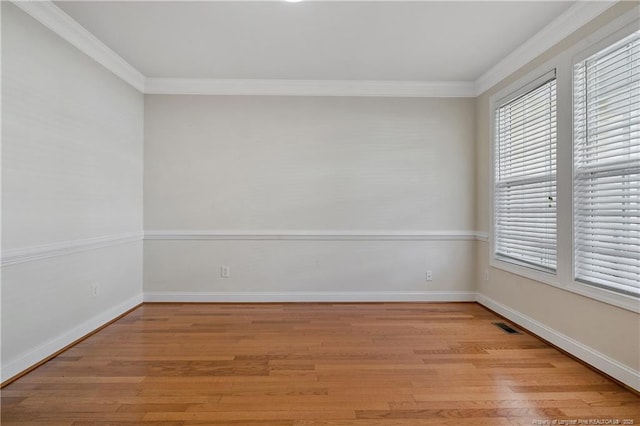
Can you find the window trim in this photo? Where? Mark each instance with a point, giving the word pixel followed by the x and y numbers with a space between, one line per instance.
pixel 563 63
pixel 533 85
pixel 523 85
pixel 612 297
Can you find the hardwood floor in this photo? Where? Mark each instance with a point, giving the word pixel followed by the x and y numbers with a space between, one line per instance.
pixel 310 365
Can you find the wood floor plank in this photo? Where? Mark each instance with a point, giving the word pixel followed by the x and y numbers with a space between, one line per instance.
pixel 438 421
pixel 547 412
pixel 508 403
pixel 312 364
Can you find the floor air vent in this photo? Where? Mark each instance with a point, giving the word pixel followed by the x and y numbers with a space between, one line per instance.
pixel 506 328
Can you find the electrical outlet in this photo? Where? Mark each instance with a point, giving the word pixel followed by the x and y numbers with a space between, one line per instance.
pixel 486 275
pixel 225 272
pixel 428 276
pixel 95 289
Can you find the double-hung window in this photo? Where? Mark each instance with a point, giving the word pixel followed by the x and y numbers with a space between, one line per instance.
pixel 525 176
pixel 606 168
pixel 574 130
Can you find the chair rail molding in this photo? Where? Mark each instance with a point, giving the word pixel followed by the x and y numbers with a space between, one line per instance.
pixel 33 253
pixel 311 235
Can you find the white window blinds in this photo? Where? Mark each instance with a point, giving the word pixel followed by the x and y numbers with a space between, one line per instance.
pixel 525 177
pixel 607 168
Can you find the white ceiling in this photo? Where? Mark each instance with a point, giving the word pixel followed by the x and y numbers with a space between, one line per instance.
pixel 392 41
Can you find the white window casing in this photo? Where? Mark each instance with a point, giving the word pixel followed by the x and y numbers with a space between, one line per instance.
pixel 606 167
pixel 525 224
pixel 597 175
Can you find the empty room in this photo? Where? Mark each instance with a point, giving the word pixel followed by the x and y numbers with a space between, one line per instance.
pixel 307 213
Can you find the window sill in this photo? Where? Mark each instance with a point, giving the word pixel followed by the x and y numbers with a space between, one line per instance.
pixel 623 301
pixel 524 271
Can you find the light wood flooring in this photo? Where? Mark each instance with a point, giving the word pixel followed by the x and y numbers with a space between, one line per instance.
pixel 310 364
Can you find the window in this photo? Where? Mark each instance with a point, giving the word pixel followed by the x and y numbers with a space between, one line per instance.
pixel 607 168
pixel 525 176
pixel 566 168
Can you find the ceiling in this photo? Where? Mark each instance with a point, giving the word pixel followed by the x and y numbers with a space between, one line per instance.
pixel 328 40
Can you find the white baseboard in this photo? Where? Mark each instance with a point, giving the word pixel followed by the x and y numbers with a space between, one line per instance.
pixel 313 296
pixel 36 355
pixel 602 362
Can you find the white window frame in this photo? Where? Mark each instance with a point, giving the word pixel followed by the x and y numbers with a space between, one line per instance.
pixel 576 286
pixel 496 105
pixel 563 64
pixel 523 85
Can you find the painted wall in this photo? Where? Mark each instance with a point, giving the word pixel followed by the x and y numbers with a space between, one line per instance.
pixel 330 166
pixel 303 198
pixel 613 332
pixel 72 141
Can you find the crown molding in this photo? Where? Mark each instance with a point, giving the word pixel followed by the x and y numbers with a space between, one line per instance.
pixel 52 17
pixel 564 25
pixel 312 235
pixel 398 89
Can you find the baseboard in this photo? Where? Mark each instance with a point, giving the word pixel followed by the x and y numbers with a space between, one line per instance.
pixel 44 351
pixel 600 361
pixel 312 296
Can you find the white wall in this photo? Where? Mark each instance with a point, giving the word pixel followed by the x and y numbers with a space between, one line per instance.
pixel 304 198
pixel 72 141
pixel 602 334
pixel 277 167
